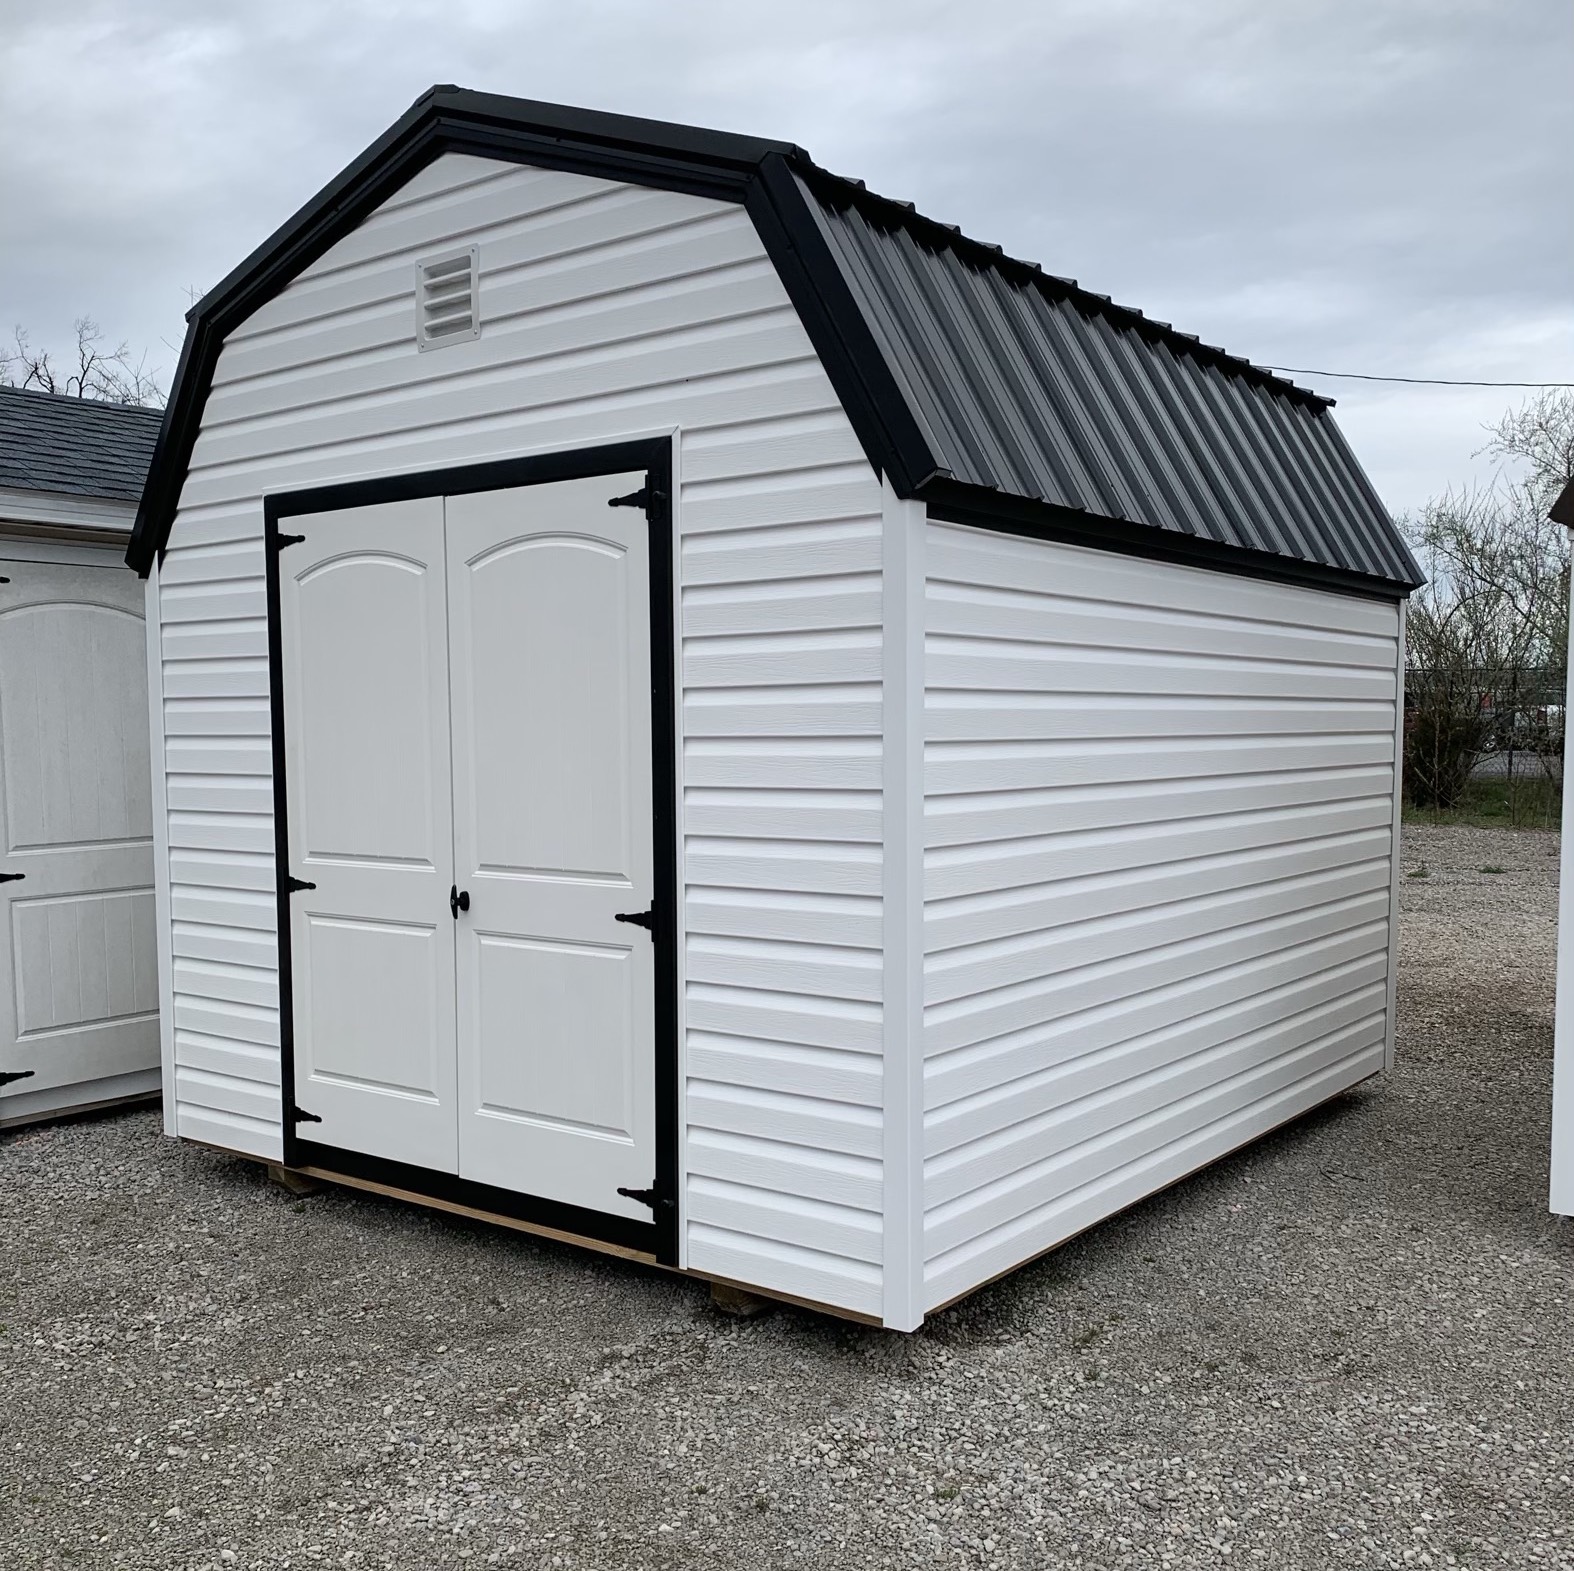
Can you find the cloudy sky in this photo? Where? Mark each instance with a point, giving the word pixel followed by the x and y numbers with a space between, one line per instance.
pixel 1348 185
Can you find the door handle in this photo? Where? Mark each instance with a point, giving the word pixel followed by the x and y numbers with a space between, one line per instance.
pixel 458 900
pixel 11 878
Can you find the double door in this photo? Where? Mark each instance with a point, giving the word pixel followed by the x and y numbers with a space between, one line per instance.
pixel 467 739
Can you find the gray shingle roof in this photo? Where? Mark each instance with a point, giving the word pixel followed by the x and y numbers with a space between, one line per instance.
pixel 79 446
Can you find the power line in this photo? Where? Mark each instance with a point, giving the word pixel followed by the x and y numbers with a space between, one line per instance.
pixel 1414 381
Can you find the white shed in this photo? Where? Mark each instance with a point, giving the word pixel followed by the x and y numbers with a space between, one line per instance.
pixel 78 977
pixel 1561 1198
pixel 707 713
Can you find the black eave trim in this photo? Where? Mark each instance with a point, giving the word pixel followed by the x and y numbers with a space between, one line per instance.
pixel 659 1237
pixel 955 502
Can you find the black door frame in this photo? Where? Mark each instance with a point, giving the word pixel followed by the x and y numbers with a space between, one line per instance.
pixel 658 1237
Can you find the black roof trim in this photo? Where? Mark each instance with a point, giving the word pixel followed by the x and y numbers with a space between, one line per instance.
pixel 455 119
pixel 951 390
pixel 444 119
pixel 953 502
pixel 879 411
pixel 1562 509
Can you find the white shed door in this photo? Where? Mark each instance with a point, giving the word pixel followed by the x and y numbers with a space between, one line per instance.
pixel 363 636
pixel 467 698
pixel 78 968
pixel 549 637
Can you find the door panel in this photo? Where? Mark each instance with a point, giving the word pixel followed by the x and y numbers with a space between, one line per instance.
pixel 78 966
pixel 363 637
pixel 376 1005
pixel 549 639
pixel 579 1078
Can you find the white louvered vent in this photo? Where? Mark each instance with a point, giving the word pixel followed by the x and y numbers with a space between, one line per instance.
pixel 446 305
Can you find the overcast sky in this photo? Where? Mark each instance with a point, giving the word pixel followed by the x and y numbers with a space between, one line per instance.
pixel 1350 185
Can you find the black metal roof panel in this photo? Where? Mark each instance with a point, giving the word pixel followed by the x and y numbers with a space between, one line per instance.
pixel 76 446
pixel 1023 385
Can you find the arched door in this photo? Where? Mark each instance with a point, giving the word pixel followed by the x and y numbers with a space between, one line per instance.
pixel 78 966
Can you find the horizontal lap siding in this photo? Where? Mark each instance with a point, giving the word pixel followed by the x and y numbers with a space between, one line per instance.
pixel 1158 826
pixel 218 797
pixel 608 312
pixel 782 815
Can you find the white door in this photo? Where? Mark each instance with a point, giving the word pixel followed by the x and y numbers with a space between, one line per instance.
pixel 363 635
pixel 78 970
pixel 549 640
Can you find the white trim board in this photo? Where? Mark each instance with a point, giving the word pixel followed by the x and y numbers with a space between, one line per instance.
pixel 62 509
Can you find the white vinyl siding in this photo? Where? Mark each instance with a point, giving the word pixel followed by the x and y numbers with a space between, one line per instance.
pixel 608 313
pixel 1159 810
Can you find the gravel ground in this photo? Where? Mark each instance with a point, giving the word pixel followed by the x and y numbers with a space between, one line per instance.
pixel 1349 1346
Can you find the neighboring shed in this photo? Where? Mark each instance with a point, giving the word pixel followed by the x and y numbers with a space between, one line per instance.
pixel 1562 1189
pixel 976 702
pixel 78 954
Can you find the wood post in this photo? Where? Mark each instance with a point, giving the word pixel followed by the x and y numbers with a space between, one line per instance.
pixel 295 1183
pixel 736 1301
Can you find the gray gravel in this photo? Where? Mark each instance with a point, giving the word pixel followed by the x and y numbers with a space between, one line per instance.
pixel 1350 1346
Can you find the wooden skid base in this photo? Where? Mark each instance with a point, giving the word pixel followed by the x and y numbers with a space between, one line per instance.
pixel 741 1299
pixel 1152 1194
pixel 454 1207
pixel 60 1115
pixel 321 1176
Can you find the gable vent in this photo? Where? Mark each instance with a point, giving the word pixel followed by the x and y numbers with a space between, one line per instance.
pixel 446 309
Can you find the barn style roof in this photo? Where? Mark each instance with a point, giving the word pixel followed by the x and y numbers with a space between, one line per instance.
pixel 989 389
pixel 74 446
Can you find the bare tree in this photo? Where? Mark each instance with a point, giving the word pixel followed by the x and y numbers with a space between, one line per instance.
pixel 97 371
pixel 1539 435
pixel 1489 632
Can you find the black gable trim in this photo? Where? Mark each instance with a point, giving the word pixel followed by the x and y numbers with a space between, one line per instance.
pixel 880 413
pixel 444 120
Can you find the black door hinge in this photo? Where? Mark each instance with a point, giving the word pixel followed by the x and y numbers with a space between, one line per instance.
pixel 11 878
pixel 644 497
pixel 7 1076
pixel 280 540
pixel 301 1116
pixel 651 1197
pixel 644 919
pixel 294 886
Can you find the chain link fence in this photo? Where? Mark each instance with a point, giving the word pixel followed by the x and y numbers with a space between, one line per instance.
pixel 1486 737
